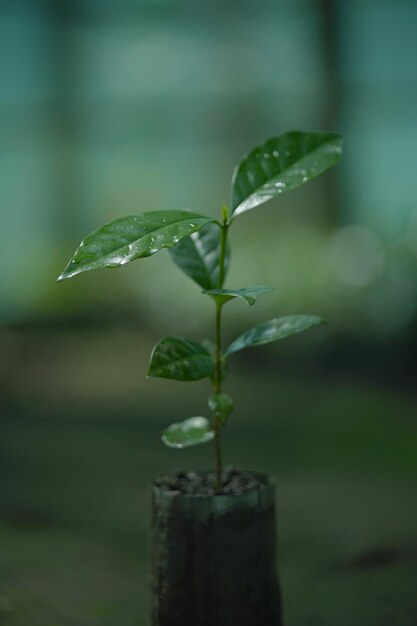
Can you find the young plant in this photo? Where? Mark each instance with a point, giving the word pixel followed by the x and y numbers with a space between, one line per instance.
pixel 199 246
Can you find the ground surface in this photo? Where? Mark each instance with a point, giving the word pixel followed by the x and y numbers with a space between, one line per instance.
pixel 74 494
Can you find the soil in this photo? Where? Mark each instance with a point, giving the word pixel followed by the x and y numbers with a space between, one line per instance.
pixel 234 482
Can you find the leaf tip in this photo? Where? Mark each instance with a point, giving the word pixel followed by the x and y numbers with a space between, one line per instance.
pixel 64 276
pixel 68 273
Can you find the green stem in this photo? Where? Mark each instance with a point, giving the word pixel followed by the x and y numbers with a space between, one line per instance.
pixel 217 383
pixel 223 242
pixel 217 386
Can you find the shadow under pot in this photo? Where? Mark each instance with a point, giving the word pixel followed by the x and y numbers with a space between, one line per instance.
pixel 214 558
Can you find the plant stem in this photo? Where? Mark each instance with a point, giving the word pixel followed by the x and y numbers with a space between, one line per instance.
pixel 217 385
pixel 217 389
pixel 223 242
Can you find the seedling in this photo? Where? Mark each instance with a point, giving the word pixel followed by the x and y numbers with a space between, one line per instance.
pixel 199 246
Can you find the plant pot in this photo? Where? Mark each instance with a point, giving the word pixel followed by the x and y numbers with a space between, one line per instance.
pixel 214 559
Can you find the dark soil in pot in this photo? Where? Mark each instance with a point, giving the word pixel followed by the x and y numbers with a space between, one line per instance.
pixel 234 482
pixel 214 555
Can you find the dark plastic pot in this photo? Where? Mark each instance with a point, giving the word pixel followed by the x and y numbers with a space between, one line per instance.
pixel 214 559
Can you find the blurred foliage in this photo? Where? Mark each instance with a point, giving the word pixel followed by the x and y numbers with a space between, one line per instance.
pixel 110 108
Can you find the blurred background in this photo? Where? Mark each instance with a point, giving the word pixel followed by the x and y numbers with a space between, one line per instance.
pixel 110 108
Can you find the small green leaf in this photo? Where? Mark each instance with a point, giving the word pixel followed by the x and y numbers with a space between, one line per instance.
pixel 198 256
pixel 190 432
pixel 273 330
pixel 180 359
pixel 222 406
pixel 225 213
pixel 281 164
pixel 133 237
pixel 250 294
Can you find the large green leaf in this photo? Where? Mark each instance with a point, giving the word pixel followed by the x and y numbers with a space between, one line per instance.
pixel 180 359
pixel 132 237
pixel 249 294
pixel 275 329
pixel 190 432
pixel 198 256
pixel 281 164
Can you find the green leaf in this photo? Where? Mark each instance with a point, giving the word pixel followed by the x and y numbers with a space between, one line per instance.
pixel 275 329
pixel 190 432
pixel 198 256
pixel 133 237
pixel 281 164
pixel 250 294
pixel 222 406
pixel 180 359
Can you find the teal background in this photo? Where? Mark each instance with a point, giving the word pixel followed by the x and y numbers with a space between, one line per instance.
pixel 113 108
